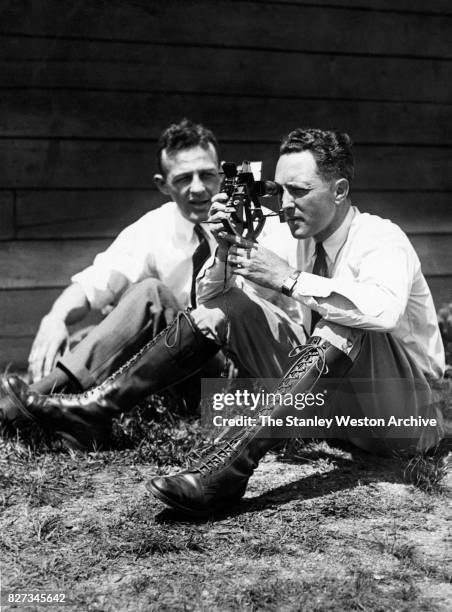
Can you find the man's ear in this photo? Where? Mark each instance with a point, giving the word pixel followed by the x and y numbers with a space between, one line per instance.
pixel 160 181
pixel 342 190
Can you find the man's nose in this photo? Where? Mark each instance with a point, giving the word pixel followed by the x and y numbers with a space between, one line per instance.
pixel 196 185
pixel 287 200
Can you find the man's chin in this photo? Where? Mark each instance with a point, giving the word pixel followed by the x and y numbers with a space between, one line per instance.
pixel 299 231
pixel 200 215
pixel 197 213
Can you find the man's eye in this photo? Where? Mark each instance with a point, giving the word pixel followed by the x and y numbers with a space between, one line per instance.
pixel 299 192
pixel 182 180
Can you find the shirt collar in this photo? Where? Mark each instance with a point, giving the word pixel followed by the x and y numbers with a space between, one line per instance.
pixel 183 228
pixel 336 241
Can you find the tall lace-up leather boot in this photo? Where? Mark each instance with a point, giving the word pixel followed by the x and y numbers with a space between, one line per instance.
pixel 219 478
pixel 84 420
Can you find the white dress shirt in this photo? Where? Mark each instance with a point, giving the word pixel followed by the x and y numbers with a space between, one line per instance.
pixel 212 279
pixel 159 245
pixel 376 284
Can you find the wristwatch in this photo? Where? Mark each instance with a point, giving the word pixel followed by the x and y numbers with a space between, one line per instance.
pixel 289 284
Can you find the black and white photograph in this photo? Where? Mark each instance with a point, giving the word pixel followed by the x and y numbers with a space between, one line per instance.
pixel 226 305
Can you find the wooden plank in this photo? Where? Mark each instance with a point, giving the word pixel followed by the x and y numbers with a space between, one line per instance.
pixel 14 353
pixel 21 312
pixel 406 168
pixel 81 213
pixel 246 24
pixel 441 7
pixel 435 253
pixel 153 68
pixel 23 309
pixel 6 215
pixel 441 288
pixel 91 214
pixel 129 165
pixel 415 212
pixel 45 263
pixel 84 114
pixel 51 263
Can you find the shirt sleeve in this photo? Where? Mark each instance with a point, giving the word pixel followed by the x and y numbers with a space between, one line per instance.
pixel 127 260
pixel 376 297
pixel 215 279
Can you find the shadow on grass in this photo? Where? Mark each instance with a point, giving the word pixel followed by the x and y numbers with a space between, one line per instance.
pixel 347 474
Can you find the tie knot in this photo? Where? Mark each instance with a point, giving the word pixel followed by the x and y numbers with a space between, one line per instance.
pixel 199 232
pixel 319 250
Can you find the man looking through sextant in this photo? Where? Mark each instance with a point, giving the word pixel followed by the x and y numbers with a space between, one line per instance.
pixel 363 299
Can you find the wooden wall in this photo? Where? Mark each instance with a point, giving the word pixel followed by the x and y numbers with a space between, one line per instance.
pixel 87 86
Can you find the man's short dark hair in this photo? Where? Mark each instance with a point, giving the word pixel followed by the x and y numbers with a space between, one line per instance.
pixel 331 150
pixel 184 135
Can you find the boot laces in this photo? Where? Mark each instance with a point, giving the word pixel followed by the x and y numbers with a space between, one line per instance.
pixel 86 395
pixel 214 457
pixel 208 459
pixel 177 323
pixel 306 355
pixel 309 352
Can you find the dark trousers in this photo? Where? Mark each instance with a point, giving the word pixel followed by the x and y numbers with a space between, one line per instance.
pixel 383 382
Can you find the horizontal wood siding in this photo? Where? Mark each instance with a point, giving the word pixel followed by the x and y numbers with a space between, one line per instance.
pixel 94 164
pixel 86 88
pixel 111 115
pixel 89 213
pixel 50 263
pixel 149 68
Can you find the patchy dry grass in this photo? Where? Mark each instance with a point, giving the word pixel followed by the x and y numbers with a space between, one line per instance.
pixel 320 529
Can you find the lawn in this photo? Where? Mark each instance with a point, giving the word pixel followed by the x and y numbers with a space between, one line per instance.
pixel 320 528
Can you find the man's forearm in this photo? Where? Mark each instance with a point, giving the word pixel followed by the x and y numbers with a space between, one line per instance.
pixel 351 303
pixel 214 280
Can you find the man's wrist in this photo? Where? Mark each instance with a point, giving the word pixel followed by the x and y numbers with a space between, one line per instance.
pixel 56 316
pixel 221 255
pixel 289 283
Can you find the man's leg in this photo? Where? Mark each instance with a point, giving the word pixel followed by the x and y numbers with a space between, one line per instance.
pixel 385 383
pixel 334 357
pixel 258 334
pixel 174 355
pixel 84 420
pixel 144 310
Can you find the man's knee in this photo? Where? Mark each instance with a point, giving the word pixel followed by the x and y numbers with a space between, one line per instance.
pixel 152 294
pixel 215 316
pixel 347 339
pixel 146 289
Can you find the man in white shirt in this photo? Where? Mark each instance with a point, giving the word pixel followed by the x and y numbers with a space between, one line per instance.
pixel 365 331
pixel 374 345
pixel 146 273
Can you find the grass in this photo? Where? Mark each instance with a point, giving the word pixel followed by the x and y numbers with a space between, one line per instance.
pixel 321 528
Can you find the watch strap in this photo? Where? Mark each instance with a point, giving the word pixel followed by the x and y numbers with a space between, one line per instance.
pixel 289 284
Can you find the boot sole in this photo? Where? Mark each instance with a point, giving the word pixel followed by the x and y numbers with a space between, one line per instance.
pixel 11 394
pixel 70 441
pixel 156 492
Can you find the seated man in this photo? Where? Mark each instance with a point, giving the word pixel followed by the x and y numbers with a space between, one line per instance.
pixel 149 272
pixel 357 280
pixel 158 249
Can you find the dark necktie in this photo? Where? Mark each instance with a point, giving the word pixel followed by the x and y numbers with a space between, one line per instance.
pixel 199 257
pixel 321 269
